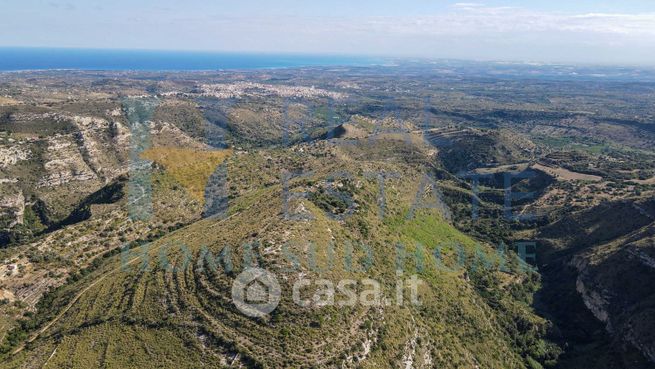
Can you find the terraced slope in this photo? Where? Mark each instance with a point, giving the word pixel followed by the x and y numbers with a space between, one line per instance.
pixel 169 303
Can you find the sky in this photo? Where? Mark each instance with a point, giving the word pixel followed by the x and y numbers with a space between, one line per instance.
pixel 566 31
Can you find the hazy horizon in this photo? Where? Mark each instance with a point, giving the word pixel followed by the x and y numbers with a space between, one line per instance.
pixel 586 32
pixel 380 59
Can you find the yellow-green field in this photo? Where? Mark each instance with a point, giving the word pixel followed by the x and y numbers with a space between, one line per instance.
pixel 191 168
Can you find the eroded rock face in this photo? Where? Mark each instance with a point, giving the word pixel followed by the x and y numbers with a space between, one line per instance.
pixel 97 151
pixel 12 210
pixel 64 162
pixel 65 166
pixel 615 283
pixel 102 144
pixel 595 302
pixel 13 154
pixel 167 134
pixel 120 134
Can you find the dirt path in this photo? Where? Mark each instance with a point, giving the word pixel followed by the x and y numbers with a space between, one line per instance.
pixel 566 174
pixel 73 301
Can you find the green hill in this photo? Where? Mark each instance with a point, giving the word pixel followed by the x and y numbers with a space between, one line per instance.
pixel 179 314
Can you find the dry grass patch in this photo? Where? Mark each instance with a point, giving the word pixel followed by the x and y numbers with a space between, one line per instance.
pixel 190 167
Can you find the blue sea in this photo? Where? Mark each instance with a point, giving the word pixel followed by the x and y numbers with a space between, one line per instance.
pixel 15 59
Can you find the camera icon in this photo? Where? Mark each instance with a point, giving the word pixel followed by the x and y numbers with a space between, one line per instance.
pixel 256 292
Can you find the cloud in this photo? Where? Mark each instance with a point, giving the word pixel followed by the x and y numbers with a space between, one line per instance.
pixel 474 18
pixel 64 6
pixel 468 5
pixel 462 19
pixel 626 24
